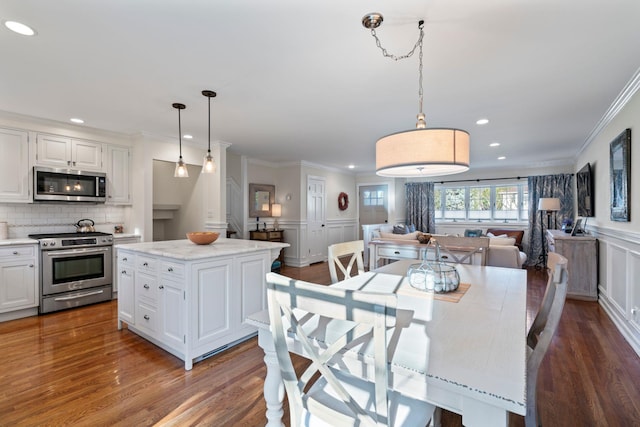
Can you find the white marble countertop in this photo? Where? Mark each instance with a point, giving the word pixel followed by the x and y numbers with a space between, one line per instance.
pixel 188 251
pixel 20 241
pixel 117 236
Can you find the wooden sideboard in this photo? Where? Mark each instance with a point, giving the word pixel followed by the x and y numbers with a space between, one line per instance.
pixel 582 255
pixel 270 236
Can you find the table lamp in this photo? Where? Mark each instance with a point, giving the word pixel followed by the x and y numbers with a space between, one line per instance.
pixel 276 212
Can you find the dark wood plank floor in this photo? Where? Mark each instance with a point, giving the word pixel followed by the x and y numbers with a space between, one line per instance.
pixel 76 368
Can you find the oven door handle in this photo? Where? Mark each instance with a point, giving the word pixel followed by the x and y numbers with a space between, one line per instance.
pixel 55 253
pixel 87 294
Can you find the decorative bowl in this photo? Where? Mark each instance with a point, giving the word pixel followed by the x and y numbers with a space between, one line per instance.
pixel 203 237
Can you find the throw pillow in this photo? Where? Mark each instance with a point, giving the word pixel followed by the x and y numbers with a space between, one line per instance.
pixel 411 228
pixel 502 241
pixel 472 233
pixel 399 229
pixel 409 236
pixel 493 235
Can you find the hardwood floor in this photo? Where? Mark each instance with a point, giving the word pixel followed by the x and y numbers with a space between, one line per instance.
pixel 75 368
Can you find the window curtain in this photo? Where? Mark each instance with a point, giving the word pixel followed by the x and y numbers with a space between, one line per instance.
pixel 420 206
pixel 559 186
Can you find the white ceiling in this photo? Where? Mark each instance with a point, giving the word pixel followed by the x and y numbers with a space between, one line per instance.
pixel 303 80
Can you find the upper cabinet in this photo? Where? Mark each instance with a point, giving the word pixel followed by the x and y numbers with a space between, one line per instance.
pixel 63 152
pixel 118 176
pixel 14 166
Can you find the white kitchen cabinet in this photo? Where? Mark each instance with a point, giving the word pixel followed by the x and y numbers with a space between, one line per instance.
pixel 126 283
pixel 14 166
pixel 118 176
pixel 18 278
pixel 120 240
pixel 195 305
pixel 64 152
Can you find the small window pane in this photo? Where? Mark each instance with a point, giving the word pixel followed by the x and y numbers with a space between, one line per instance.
pixel 454 203
pixel 480 203
pixel 506 203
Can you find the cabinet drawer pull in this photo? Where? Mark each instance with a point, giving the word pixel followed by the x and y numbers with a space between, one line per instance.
pixel 170 269
pixel 161 287
pixel 145 264
pixel 146 317
pixel 31 265
pixel 125 259
pixel 123 272
pixel 397 252
pixel 15 252
pixel 146 286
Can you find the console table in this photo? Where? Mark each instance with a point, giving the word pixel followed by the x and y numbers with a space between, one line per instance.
pixel 582 253
pixel 270 235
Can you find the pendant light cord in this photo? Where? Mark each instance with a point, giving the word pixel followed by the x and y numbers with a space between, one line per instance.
pixel 209 146
pixel 180 132
pixel 418 45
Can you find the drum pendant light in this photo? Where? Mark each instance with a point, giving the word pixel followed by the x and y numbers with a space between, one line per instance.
pixel 422 151
pixel 208 165
pixel 181 168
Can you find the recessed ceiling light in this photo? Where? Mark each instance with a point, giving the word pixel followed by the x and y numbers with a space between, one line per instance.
pixel 482 121
pixel 187 136
pixel 76 120
pixel 494 144
pixel 501 158
pixel 351 166
pixel 19 28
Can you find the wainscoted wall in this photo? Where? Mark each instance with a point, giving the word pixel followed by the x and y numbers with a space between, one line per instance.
pixel 337 230
pixel 29 218
pixel 619 286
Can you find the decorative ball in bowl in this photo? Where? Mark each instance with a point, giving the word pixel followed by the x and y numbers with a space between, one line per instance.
pixel 203 237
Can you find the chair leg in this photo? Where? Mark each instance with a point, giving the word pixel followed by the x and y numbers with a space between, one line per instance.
pixel 436 418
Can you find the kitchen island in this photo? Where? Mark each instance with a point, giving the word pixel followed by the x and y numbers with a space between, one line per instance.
pixel 192 300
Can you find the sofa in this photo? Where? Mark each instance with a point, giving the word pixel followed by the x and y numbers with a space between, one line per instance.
pixel 505 246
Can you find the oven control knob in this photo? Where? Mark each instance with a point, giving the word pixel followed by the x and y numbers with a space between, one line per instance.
pixel 52 244
pixel 45 244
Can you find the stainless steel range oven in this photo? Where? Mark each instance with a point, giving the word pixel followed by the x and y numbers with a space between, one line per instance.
pixel 75 269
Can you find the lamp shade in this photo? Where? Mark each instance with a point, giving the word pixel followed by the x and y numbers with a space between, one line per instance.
pixel 549 204
pixel 276 210
pixel 423 152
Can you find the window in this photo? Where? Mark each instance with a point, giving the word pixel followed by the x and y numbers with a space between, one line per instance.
pixel 373 198
pixel 503 202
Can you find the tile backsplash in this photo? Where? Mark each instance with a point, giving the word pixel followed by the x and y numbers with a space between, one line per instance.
pixel 29 218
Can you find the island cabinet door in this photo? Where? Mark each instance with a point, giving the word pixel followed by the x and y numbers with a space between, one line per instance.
pixel 126 292
pixel 252 271
pixel 172 303
pixel 211 304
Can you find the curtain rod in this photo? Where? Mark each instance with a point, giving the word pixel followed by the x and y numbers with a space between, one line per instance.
pixel 478 180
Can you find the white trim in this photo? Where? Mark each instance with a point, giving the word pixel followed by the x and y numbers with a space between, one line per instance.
pixel 618 104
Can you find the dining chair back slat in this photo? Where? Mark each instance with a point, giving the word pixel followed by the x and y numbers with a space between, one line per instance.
pixel 543 329
pixel 338 250
pixel 327 322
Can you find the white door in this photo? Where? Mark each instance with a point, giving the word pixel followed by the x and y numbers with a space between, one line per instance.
pixel 372 204
pixel 316 236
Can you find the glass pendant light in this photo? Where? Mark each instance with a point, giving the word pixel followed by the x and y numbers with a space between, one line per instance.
pixel 209 166
pixel 181 168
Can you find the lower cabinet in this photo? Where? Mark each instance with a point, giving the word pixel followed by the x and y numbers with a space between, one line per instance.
pixel 192 309
pixel 18 279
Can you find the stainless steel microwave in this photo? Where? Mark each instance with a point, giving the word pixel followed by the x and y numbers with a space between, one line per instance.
pixel 68 185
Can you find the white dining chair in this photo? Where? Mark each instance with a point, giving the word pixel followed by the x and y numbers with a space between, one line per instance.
pixel 462 250
pixel 543 329
pixel 338 250
pixel 327 322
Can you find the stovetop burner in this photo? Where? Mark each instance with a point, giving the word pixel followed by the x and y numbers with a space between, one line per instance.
pixel 67 235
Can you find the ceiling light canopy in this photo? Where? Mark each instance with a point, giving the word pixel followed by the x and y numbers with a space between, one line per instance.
pixel 422 151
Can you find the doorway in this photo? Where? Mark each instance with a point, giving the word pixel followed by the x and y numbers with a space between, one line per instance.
pixel 316 217
pixel 373 204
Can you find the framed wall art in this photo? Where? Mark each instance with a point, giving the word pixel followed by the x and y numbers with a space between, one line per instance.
pixel 620 176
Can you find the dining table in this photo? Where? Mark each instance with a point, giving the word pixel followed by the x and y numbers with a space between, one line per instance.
pixel 463 351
